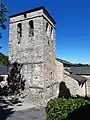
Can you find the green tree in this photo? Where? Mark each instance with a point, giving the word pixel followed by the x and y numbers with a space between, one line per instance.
pixel 3 60
pixel 3 16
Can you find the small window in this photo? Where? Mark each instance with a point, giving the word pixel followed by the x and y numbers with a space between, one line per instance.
pixel 48 42
pixel 51 30
pixel 51 33
pixel 31 28
pixel 47 29
pixel 46 26
pixel 25 15
pixel 19 32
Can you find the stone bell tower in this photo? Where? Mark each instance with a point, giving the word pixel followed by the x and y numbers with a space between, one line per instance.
pixel 32 43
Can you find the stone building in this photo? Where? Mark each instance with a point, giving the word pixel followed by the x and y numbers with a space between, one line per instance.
pixel 32 42
pixel 76 78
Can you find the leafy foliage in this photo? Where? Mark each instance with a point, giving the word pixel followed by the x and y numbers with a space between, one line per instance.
pixel 16 82
pixel 3 16
pixel 59 109
pixel 3 60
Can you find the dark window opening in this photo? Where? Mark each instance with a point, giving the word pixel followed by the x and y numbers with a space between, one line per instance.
pixel 51 30
pixel 47 29
pixel 19 32
pixel 51 73
pixel 31 28
pixel 25 15
pixel 48 42
pixel 51 33
pixel 46 26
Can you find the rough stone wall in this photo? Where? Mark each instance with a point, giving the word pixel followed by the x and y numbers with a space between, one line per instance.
pixel 87 85
pixel 30 53
pixel 30 49
pixel 52 88
pixel 58 75
pixel 49 60
pixel 34 88
pixel 73 85
pixel 37 54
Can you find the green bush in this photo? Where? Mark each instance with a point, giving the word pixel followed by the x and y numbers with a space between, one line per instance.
pixel 58 109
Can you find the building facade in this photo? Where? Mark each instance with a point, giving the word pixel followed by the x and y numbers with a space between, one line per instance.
pixel 32 42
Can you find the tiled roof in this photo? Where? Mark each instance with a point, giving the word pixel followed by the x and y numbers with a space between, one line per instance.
pixel 79 70
pixel 80 79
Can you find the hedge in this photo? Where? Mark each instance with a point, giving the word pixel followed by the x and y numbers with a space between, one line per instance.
pixel 59 108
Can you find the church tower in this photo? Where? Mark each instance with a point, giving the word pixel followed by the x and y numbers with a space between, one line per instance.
pixel 32 42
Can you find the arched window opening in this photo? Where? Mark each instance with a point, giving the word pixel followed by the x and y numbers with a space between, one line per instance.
pixel 31 28
pixel 46 26
pixel 47 29
pixel 51 30
pixel 19 32
pixel 51 33
pixel 25 15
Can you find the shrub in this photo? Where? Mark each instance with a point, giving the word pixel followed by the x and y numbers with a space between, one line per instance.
pixel 58 109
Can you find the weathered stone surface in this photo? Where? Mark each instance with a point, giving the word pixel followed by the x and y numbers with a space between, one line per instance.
pixel 73 86
pixel 87 85
pixel 37 54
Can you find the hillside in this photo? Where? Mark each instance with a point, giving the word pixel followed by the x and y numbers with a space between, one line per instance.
pixel 3 60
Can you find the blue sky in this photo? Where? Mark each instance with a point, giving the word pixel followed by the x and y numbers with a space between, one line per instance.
pixel 72 26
